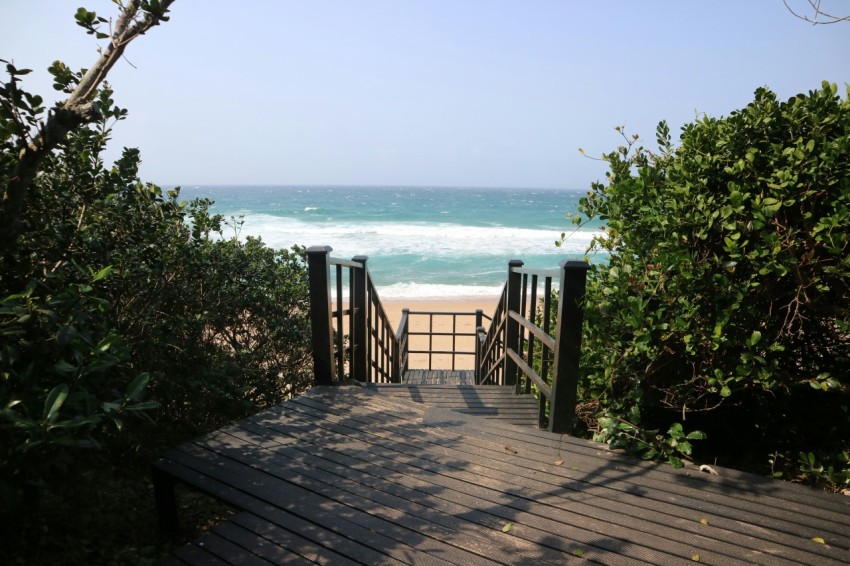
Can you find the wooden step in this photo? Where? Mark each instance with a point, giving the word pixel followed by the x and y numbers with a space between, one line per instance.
pixel 487 401
pixel 439 376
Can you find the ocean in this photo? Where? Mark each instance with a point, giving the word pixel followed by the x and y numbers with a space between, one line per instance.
pixel 422 242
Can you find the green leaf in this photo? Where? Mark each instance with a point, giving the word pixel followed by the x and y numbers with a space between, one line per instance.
pixel 725 391
pixel 755 338
pixel 55 400
pixel 75 442
pixel 676 431
pixel 144 406
pixel 507 528
pixel 73 423
pixel 107 342
pixel 64 367
pixel 137 386
pixel 102 273
pixel 20 422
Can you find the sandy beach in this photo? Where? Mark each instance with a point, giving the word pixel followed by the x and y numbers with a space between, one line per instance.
pixel 441 323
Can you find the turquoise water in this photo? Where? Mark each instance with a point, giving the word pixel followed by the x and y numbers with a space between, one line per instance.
pixel 422 242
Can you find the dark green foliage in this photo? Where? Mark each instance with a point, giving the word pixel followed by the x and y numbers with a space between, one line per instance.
pixel 129 321
pixel 725 306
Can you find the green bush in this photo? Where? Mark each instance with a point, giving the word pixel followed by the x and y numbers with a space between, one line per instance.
pixel 725 304
pixel 129 320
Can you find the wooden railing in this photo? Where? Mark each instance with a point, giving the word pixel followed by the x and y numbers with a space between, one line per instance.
pixel 406 336
pixel 526 348
pixel 352 337
pixel 532 343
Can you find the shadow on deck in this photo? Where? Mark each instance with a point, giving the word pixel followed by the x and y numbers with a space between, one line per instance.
pixel 456 390
pixel 424 467
pixel 365 475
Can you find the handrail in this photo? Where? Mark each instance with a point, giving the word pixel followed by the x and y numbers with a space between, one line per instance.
pixel 356 340
pixel 382 348
pixel 402 344
pixel 490 346
pixel 520 349
pixel 523 349
pixel 431 351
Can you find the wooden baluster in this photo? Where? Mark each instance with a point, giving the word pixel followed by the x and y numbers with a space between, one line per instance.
pixel 545 352
pixel 514 296
pixel 318 267
pixel 360 317
pixel 532 315
pixel 405 333
pixel 478 330
pixel 568 346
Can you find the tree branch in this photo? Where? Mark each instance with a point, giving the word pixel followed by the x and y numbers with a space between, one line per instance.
pixel 818 13
pixel 77 110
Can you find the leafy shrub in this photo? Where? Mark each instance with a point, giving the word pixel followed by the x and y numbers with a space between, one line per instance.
pixel 128 319
pixel 725 305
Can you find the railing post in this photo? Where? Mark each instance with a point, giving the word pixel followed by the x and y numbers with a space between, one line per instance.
pixel 166 504
pixel 359 314
pixel 514 290
pixel 319 274
pixel 562 405
pixel 395 376
pixel 479 319
pixel 401 346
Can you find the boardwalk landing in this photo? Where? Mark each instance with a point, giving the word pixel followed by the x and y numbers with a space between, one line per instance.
pixel 439 377
pixel 488 401
pixel 345 475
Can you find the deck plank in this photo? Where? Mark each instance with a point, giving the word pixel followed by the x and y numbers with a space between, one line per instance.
pixel 553 526
pixel 495 477
pixel 439 377
pixel 493 402
pixel 363 475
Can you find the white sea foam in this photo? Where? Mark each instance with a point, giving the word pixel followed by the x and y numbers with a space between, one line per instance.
pixel 425 240
pixel 422 242
pixel 415 291
pixel 434 292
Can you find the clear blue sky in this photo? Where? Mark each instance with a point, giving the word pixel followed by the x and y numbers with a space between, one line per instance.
pixel 428 92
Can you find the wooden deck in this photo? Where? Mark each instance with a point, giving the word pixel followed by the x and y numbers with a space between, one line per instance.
pixel 439 377
pixel 362 475
pixel 487 401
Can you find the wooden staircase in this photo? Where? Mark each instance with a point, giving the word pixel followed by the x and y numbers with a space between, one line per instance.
pixel 532 342
pixel 456 391
pixel 438 377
